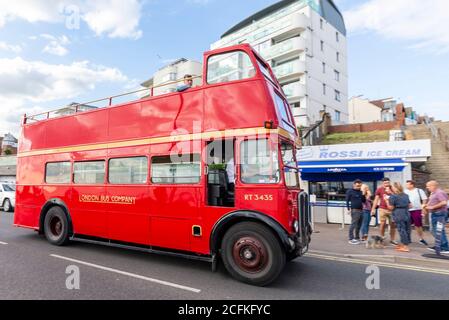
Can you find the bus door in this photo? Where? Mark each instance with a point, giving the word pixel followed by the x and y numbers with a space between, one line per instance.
pixel 220 173
pixel 127 193
pixel 174 199
pixel 219 187
pixel 88 201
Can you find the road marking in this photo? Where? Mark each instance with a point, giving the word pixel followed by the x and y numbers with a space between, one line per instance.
pixel 378 263
pixel 4 243
pixel 133 275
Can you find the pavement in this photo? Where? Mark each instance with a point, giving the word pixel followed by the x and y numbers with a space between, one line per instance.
pixel 31 268
pixel 331 239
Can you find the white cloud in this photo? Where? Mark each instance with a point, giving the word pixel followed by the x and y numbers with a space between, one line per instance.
pixel 29 10
pixel 114 18
pixel 424 24
pixel 9 47
pixel 28 83
pixel 56 45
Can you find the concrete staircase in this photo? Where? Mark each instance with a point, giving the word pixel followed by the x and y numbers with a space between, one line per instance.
pixel 438 164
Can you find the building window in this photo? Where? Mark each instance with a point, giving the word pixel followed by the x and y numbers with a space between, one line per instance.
pixel 337 75
pixel 324 89
pixel 57 172
pixel 185 169
pixel 89 172
pixel 321 24
pixel 324 67
pixel 169 77
pixel 128 170
pixel 337 116
pixel 337 36
pixel 322 45
pixel 338 56
pixel 337 95
pixel 296 105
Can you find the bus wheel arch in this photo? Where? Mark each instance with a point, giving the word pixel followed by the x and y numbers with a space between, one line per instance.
pixel 47 207
pixel 259 237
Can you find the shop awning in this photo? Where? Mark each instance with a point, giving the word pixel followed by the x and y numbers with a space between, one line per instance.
pixel 352 166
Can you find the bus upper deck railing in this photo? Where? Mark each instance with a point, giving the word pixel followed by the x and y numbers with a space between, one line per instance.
pixel 77 108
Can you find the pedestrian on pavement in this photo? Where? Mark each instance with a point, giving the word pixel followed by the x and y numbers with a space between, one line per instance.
pixel 367 206
pixel 384 213
pixel 354 205
pixel 437 206
pixel 399 204
pixel 418 198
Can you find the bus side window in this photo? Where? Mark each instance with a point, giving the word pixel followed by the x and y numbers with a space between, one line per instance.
pixel 57 172
pixel 259 163
pixel 128 170
pixel 174 169
pixel 89 172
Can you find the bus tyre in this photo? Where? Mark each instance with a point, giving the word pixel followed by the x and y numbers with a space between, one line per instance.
pixel 7 207
pixel 56 227
pixel 252 254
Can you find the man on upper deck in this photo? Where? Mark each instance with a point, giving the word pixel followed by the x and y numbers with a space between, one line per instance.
pixel 188 83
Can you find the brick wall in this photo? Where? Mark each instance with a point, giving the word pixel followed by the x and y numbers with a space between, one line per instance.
pixel 364 127
pixel 421 178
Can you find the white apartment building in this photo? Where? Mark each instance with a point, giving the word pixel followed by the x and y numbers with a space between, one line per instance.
pixel 364 111
pixel 172 72
pixel 305 43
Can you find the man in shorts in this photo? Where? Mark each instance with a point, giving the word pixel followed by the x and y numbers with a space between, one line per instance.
pixel 382 193
pixel 418 198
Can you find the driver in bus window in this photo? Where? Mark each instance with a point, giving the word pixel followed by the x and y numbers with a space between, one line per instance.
pixel 230 171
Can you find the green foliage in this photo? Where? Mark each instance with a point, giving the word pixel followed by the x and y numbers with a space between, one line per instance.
pixel 356 137
pixel 218 166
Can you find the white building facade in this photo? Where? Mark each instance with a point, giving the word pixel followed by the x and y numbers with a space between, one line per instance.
pixel 305 43
pixel 164 79
pixel 363 111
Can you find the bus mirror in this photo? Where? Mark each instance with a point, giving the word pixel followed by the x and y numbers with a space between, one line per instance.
pixel 268 124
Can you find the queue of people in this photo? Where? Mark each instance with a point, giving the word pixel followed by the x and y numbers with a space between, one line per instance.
pixel 400 208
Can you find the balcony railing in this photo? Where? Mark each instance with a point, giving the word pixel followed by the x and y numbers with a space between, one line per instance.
pixel 290 69
pixel 289 47
pixel 294 90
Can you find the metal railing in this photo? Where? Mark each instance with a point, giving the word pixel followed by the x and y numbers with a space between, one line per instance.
pixel 431 126
pixel 444 138
pixel 77 108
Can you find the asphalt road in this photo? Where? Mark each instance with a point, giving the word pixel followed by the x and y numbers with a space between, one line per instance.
pixel 30 268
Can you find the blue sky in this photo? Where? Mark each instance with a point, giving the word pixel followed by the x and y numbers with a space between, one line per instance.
pixel 48 57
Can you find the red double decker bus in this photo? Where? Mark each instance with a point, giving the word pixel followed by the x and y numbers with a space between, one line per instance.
pixel 209 173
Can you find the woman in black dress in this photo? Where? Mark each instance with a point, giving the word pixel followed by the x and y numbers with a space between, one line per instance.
pixel 399 204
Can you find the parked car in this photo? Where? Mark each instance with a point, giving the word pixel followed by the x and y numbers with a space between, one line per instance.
pixel 7 196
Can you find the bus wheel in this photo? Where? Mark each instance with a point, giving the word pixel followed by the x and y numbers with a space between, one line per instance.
pixel 252 254
pixel 56 227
